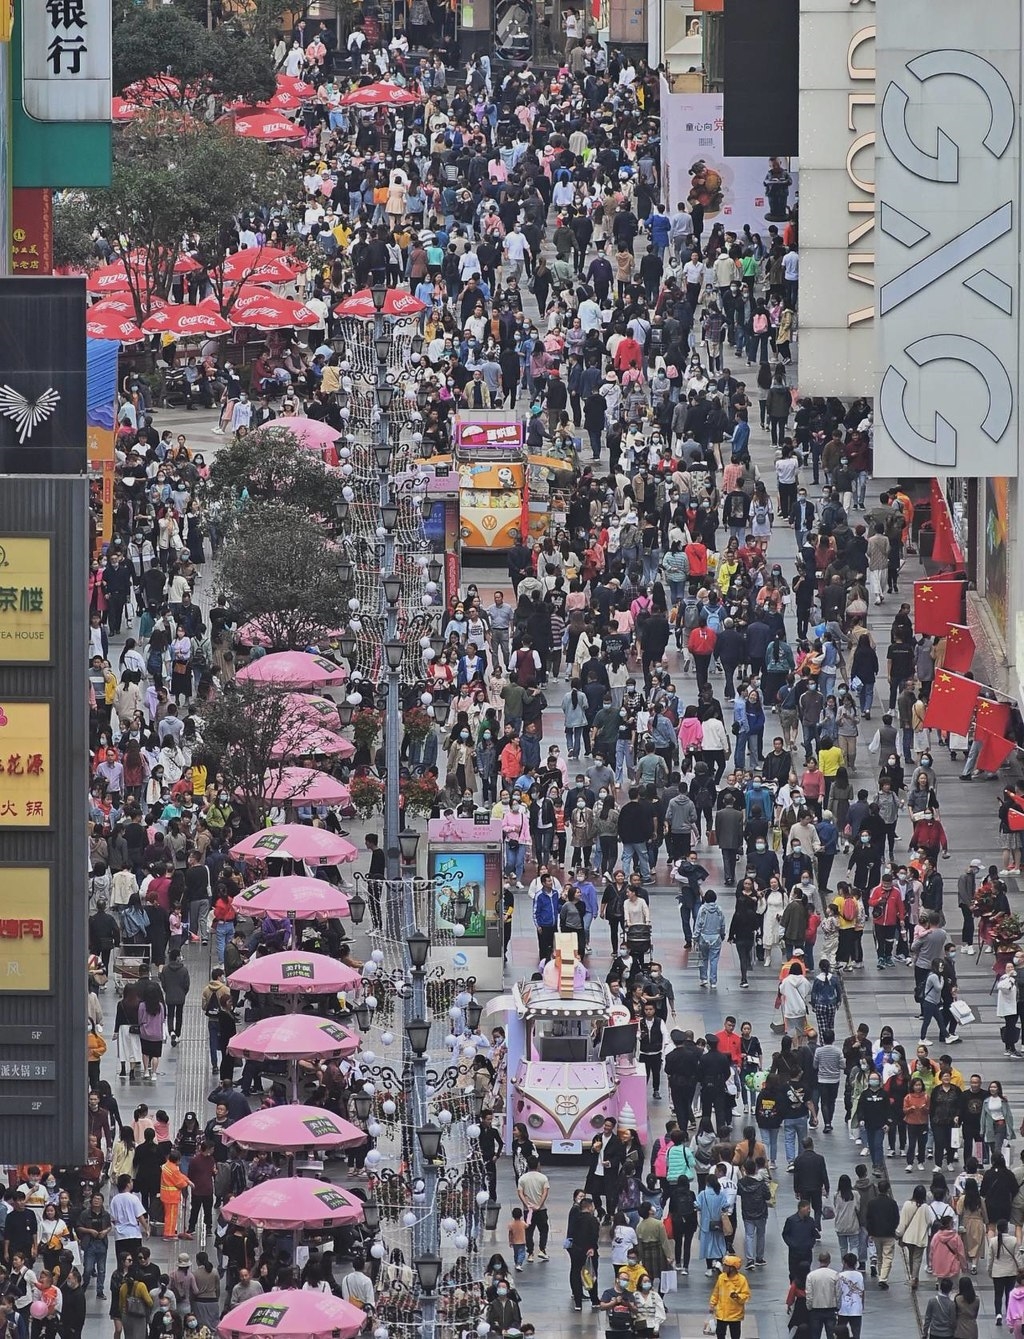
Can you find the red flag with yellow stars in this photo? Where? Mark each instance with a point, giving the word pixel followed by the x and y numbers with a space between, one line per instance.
pixel 951 704
pixel 937 604
pixel 960 648
pixel 991 724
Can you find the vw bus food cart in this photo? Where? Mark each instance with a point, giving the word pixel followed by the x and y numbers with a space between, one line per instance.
pixel 490 458
pixel 571 1062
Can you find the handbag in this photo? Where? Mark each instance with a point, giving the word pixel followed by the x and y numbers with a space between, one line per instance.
pixel 727 1225
pixel 962 1012
pixel 709 1326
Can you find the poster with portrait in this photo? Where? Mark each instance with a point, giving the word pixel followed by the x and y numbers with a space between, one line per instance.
pixel 758 192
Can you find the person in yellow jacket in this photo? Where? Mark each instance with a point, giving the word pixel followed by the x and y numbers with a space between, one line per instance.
pixel 172 1182
pixel 729 1298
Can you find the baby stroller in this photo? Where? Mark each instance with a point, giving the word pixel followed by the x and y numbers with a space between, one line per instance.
pixel 639 942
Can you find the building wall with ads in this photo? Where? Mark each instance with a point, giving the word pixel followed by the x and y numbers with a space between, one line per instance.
pixel 732 190
pixel 837 197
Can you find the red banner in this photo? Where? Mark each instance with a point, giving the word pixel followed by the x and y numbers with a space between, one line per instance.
pixel 709 6
pixel 32 231
pixel 951 704
pixel 960 648
pixel 937 604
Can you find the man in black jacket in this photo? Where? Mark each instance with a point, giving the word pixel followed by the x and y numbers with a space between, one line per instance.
pixel 681 1068
pixel 810 1178
pixel 714 1071
pixel 636 828
pixel 800 1235
pixel 583 1246
pixel 881 1219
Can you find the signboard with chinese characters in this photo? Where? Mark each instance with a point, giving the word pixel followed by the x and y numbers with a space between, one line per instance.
pixel 32 232
pixel 25 925
pixel 25 769
pixel 25 627
pixel 65 49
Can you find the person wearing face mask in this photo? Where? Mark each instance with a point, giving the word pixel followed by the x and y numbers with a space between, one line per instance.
pixel 503 1312
pixel 874 1115
pixel 648 1309
pixel 461 762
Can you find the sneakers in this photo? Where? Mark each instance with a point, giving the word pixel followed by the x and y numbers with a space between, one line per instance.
pixel 953 1038
pixel 541 1256
pixel 529 1259
pixel 883 1285
pixel 826 1129
pixel 519 1269
pixel 909 1167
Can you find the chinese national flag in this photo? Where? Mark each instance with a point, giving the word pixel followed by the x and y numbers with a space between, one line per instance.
pixel 990 726
pixel 960 647
pixel 937 604
pixel 951 704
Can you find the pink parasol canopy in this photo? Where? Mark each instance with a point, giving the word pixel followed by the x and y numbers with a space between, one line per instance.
pixel 397 303
pixel 311 710
pixel 292 1314
pixel 295 973
pixel 304 785
pixel 305 741
pixel 185 320
pixel 295 1127
pixel 296 841
pixel 293 669
pixel 312 433
pixel 288 1203
pixel 293 1037
pixel 267 127
pixel 380 94
pixel 294 895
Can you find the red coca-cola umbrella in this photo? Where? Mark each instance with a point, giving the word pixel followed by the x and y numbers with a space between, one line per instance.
pixel 268 127
pixel 185 320
pixel 261 265
pixel 267 311
pixel 380 94
pixel 123 109
pixel 397 302
pixel 298 88
pixel 113 322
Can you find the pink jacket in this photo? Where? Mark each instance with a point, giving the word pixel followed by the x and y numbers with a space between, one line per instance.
pixel 691 733
pixel 946 1255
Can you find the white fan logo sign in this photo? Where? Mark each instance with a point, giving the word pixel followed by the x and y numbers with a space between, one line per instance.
pixel 27 414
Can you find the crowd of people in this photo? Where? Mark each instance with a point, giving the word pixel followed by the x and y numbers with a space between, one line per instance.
pixel 711 708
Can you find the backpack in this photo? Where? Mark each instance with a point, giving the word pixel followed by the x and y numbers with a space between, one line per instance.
pixel 848 910
pixel 760 515
pixel 824 994
pixel 760 324
pixel 661 1160
pixel 691 613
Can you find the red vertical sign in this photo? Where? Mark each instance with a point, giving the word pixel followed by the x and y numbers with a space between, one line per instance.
pixel 32 232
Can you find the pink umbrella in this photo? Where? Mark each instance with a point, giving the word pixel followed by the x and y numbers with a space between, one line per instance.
pixel 288 1203
pixel 304 785
pixel 380 94
pixel 294 895
pixel 295 1127
pixel 293 669
pixel 185 320
pixel 267 127
pixel 292 1314
pixel 312 433
pixel 295 973
pixel 296 841
pixel 308 741
pixel 396 303
pixel 319 712
pixel 293 1037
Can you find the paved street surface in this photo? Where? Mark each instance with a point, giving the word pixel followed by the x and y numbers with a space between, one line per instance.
pixel 968 813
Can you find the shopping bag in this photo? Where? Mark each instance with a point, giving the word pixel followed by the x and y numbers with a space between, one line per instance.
pixel 962 1012
pixel 668 1281
pixel 957 1137
pixel 712 837
pixel 709 1326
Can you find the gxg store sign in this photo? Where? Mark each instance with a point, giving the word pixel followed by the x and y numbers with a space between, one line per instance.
pixel 948 238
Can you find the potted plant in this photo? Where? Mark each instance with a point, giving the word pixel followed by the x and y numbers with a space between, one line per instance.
pixel 419 794
pixel 367 795
pixel 417 724
pixel 366 725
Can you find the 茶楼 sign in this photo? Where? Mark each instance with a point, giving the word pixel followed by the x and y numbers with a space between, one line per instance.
pixel 66 62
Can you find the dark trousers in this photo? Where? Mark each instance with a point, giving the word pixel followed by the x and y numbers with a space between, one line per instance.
pixel 577 1259
pixel 174 1015
pixel 682 1102
pixel 821 1318
pixel 538 1225
pixel 201 1204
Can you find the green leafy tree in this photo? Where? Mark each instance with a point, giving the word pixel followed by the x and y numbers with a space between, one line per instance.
pixel 73 242
pixel 251 732
pixel 271 467
pixel 174 176
pixel 280 567
pixel 151 43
